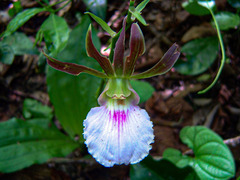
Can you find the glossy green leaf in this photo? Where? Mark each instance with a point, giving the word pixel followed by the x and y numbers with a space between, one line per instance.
pixel 143 89
pixel 20 19
pixel 71 96
pixel 142 5
pixel 176 157
pixel 212 158
pixel 200 54
pixel 198 7
pixel 234 3
pixel 6 53
pixel 209 4
pixel 98 7
pixel 227 20
pixel 20 44
pixel 23 143
pixel 34 109
pixel 55 32
pixel 103 24
pixel 160 170
pixel 137 15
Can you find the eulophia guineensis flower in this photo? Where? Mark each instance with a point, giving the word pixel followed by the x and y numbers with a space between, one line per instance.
pixel 118 132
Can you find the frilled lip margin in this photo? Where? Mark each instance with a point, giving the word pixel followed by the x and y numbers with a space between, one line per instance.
pixel 118 134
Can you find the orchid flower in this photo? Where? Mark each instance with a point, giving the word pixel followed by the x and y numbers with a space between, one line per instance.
pixel 118 132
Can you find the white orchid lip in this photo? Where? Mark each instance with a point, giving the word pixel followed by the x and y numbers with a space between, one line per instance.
pixel 118 133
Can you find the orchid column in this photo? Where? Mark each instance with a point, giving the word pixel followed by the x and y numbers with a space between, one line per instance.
pixel 118 132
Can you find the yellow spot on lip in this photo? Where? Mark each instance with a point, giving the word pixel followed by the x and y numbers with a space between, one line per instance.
pixel 121 102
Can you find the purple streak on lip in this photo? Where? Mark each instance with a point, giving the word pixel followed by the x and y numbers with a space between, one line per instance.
pixel 119 117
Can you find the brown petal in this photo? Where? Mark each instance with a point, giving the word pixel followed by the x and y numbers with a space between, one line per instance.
pixel 92 52
pixel 72 68
pixel 164 65
pixel 137 48
pixel 119 51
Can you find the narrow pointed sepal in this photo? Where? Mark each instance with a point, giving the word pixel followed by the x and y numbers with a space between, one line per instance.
pixel 92 52
pixel 119 51
pixel 71 68
pixel 137 48
pixel 118 134
pixel 164 65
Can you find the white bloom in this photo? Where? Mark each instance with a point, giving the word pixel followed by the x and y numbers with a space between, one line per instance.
pixel 118 133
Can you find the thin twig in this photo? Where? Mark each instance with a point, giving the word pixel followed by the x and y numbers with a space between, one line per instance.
pixel 232 142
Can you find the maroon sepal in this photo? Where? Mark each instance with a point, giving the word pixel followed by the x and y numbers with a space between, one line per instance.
pixel 119 51
pixel 92 52
pixel 72 68
pixel 164 65
pixel 137 48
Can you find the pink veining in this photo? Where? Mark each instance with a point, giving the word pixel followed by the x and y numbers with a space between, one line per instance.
pixel 119 117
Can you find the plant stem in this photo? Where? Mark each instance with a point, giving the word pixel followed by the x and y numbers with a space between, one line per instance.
pixel 223 54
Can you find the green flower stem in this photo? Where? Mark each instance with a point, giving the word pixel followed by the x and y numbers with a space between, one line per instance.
pixel 223 55
pixel 131 4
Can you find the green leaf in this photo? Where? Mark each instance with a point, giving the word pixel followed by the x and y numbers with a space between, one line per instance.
pixel 143 89
pixel 160 170
pixel 209 4
pixel 25 143
pixel 20 19
pixel 176 157
pixel 227 20
pixel 6 53
pixel 20 44
pixel 198 7
pixel 137 15
pixel 234 3
pixel 34 109
pixel 142 5
pixel 212 158
pixel 98 7
pixel 200 54
pixel 55 31
pixel 72 96
pixel 103 24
